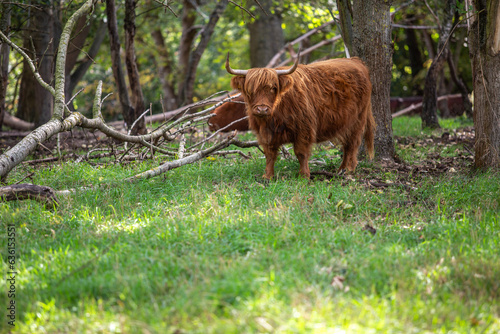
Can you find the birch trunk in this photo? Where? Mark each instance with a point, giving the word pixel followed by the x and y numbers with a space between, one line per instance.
pixel 20 151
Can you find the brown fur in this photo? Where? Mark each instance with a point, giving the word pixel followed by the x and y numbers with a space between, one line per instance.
pixel 327 100
pixel 226 114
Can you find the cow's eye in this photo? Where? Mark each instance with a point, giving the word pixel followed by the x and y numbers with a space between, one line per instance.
pixel 273 90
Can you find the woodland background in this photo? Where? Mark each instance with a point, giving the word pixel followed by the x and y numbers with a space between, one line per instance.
pixel 179 62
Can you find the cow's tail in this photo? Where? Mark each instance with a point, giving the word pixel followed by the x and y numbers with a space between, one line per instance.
pixel 370 131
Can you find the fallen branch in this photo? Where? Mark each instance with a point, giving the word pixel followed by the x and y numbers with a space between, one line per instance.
pixel 42 194
pixel 28 144
pixel 227 152
pixel 57 124
pixel 41 161
pixel 419 105
pixel 192 158
pixel 277 56
pixel 16 123
pixel 181 162
pixel 311 49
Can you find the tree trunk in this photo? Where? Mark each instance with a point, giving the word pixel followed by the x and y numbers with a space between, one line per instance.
pixel 82 30
pixel 484 37
pixel 415 55
pixel 266 34
pixel 189 31
pixel 429 44
pixel 461 86
pixel 373 43
pixel 118 74
pixel 164 63
pixel 429 102
pixel 56 124
pixel 186 93
pixel 4 59
pixel 77 75
pixel 35 102
pixel 76 46
pixel 345 13
pixel 132 70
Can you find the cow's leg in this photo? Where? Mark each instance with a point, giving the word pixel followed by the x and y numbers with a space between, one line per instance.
pixel 303 153
pixel 271 154
pixel 350 158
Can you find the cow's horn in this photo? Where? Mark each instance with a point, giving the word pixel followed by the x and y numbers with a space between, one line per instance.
pixel 291 69
pixel 234 72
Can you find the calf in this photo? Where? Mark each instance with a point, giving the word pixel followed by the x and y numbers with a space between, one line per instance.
pixel 307 104
pixel 227 113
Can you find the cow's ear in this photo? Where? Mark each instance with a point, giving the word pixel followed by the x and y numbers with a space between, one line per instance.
pixel 238 82
pixel 286 82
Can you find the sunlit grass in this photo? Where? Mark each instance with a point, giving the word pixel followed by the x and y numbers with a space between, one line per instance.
pixel 210 248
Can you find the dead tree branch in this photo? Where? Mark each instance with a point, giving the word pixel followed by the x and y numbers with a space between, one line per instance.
pixel 275 59
pixel 172 133
pixel 42 194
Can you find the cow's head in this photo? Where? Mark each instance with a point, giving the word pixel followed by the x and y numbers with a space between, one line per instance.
pixel 262 88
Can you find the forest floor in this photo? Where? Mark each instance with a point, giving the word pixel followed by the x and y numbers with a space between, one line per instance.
pixel 410 246
pixel 77 143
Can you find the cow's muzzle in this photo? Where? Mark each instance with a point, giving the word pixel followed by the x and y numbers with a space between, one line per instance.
pixel 261 111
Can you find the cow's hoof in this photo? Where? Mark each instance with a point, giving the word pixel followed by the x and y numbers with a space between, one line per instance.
pixel 341 172
pixel 265 179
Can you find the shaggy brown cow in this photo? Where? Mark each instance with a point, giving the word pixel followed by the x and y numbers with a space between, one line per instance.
pixel 306 104
pixel 226 114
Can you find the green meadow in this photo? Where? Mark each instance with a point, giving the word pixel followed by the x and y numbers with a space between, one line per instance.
pixel 411 247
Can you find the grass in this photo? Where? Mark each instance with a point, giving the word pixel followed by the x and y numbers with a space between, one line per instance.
pixel 210 248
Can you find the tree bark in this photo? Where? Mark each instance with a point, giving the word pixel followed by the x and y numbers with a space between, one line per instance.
pixel 415 56
pixel 79 72
pixel 266 33
pixel 77 44
pixel 15 123
pixel 429 44
pixel 373 43
pixel 132 70
pixel 484 37
pixel 186 93
pixel 165 71
pixel 118 74
pixel 429 102
pixel 42 194
pixel 189 31
pixel 35 102
pixel 5 11
pixel 464 92
pixel 345 13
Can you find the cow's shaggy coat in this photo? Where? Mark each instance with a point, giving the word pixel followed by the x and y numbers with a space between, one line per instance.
pixel 228 113
pixel 327 100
